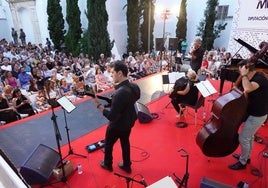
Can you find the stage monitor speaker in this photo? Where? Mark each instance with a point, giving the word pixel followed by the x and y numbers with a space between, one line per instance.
pixel 39 166
pixel 208 183
pixel 159 45
pixel 173 44
pixel 143 113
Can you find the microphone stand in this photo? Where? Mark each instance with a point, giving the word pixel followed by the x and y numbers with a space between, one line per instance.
pixel 128 179
pixel 58 138
pixel 184 180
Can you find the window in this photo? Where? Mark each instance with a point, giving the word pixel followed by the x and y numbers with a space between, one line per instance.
pixel 222 12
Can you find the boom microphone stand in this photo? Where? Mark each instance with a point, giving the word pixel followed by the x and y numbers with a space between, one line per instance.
pixel 58 138
pixel 128 179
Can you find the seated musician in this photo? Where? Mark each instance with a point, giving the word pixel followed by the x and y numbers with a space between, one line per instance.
pixel 184 91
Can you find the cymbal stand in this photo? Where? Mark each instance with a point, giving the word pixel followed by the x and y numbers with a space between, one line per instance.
pixel 71 152
pixel 184 180
pixel 129 179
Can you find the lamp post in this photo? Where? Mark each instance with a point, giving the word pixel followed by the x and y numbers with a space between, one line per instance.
pixel 165 15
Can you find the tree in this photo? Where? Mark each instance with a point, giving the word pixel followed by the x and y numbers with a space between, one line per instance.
pixel 74 33
pixel 133 23
pixel 55 23
pixel 146 5
pixel 181 27
pixel 98 36
pixel 207 29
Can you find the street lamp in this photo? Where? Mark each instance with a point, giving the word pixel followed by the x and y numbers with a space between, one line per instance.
pixel 165 15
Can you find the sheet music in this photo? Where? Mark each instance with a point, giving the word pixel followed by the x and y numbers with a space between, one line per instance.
pixel 173 76
pixel 66 104
pixel 206 88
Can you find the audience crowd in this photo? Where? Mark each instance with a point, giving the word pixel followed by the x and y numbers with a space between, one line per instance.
pixel 33 76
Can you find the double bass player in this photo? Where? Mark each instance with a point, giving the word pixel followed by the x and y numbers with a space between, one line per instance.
pixel 255 88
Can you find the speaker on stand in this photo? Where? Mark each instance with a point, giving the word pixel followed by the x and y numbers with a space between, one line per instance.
pixel 159 44
pixel 39 166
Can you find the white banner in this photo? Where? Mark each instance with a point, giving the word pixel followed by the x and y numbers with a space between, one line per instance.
pixel 253 14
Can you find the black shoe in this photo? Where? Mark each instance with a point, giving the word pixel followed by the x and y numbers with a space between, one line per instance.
pixel 109 168
pixel 237 156
pixel 237 166
pixel 127 169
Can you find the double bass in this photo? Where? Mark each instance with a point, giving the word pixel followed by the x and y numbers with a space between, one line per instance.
pixel 219 136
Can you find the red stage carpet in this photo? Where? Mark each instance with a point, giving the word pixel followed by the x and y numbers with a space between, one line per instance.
pixel 154 152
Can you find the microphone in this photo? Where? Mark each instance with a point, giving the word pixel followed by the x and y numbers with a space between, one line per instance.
pixel 143 182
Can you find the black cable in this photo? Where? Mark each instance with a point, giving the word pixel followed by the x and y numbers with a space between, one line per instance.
pixel 144 154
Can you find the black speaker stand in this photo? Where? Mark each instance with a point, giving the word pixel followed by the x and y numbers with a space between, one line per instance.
pixel 71 152
pixel 184 181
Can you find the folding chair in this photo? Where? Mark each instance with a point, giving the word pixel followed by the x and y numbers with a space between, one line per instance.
pixel 199 103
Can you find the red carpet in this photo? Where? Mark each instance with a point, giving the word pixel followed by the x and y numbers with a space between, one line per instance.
pixel 155 154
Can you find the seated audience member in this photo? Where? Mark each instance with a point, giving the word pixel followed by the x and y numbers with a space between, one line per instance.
pixel 187 94
pixel 78 87
pixel 33 88
pixel 24 79
pixel 15 70
pixel 212 69
pixel 51 93
pixel 133 71
pixel 68 75
pixel 6 65
pixel 8 94
pixel 89 77
pixel 108 74
pixel 41 102
pixel 65 90
pixel 21 103
pixel 204 64
pixel 11 80
pixel 101 81
pixel 7 112
pixel 40 80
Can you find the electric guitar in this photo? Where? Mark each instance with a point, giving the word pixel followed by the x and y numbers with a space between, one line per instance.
pixel 89 92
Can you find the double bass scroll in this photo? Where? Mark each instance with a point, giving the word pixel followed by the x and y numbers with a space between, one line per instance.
pixel 219 136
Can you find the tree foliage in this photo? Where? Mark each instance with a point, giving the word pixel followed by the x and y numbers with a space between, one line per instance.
pixel 181 27
pixel 207 28
pixel 145 7
pixel 97 34
pixel 133 24
pixel 55 23
pixel 74 32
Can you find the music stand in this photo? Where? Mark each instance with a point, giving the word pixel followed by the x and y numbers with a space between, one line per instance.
pixel 68 106
pixel 206 89
pixel 171 78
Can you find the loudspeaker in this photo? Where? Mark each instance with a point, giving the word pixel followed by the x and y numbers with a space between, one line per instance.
pixel 173 44
pixel 208 183
pixel 159 44
pixel 38 167
pixel 143 113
